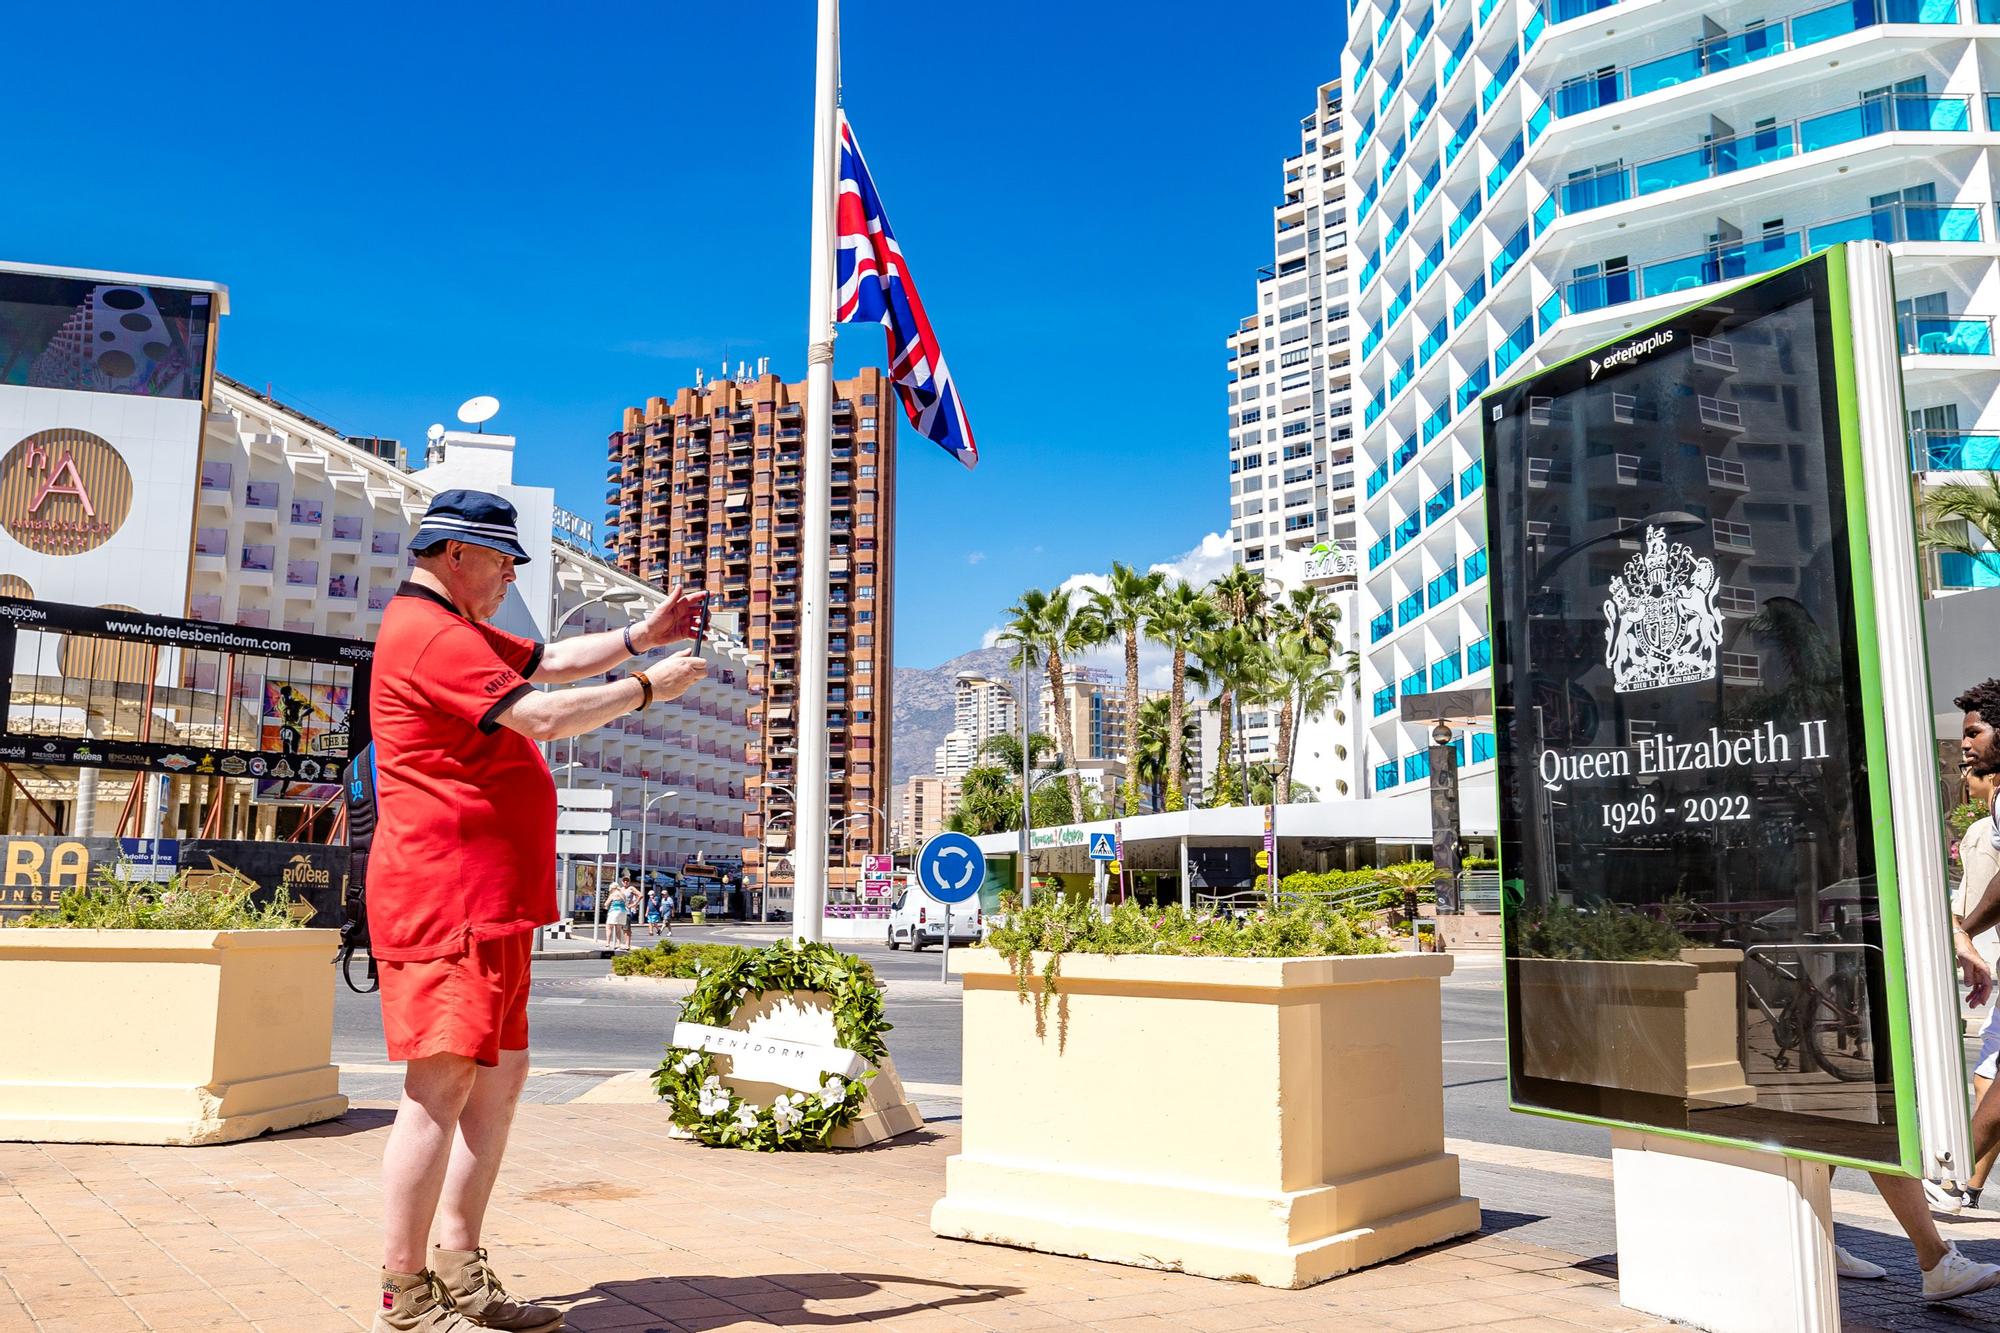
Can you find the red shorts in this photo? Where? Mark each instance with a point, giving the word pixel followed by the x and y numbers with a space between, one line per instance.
pixel 473 1004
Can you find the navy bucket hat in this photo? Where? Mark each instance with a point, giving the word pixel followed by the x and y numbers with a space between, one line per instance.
pixel 478 517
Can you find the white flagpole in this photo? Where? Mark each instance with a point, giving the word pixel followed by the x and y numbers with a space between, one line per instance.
pixel 810 782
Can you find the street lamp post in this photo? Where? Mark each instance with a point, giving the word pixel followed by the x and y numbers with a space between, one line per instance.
pixel 645 811
pixel 616 597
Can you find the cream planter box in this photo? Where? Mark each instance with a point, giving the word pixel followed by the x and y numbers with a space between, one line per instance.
pixel 1279 1120
pixel 1663 1028
pixel 165 1036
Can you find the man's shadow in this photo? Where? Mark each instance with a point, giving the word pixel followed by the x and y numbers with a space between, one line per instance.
pixel 709 1302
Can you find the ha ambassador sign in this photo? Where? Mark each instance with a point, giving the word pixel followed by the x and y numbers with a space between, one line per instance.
pixel 1715 799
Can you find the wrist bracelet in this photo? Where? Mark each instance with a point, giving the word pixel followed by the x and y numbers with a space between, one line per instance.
pixel 630 651
pixel 645 691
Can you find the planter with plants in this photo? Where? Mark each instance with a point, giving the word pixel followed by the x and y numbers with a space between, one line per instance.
pixel 1615 998
pixel 1255 1098
pixel 698 908
pixel 169 1013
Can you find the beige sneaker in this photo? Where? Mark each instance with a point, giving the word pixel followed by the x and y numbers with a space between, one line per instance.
pixel 475 1293
pixel 415 1303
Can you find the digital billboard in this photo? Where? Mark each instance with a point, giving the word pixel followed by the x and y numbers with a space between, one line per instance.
pixel 1702 928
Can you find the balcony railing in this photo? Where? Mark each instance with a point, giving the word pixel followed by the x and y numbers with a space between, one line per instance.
pixel 1379 552
pixel 1947 335
pixel 1884 114
pixel 1475 567
pixel 1380 627
pixel 1385 700
pixel 1479 655
pixel 1717 55
pixel 1933 451
pixel 1471 479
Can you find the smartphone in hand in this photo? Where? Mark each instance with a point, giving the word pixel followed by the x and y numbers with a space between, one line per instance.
pixel 701 629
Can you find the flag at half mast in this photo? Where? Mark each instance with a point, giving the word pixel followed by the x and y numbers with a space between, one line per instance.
pixel 873 285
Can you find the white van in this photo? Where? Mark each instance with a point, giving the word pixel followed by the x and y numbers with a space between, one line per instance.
pixel 917 919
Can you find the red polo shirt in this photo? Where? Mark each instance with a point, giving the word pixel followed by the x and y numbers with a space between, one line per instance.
pixel 465 844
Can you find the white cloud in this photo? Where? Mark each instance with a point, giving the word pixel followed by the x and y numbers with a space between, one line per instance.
pixel 1209 559
pixel 990 637
pixel 975 557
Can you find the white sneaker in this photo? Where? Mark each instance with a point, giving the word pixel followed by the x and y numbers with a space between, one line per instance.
pixel 1853 1265
pixel 1949 1200
pixel 1955 1275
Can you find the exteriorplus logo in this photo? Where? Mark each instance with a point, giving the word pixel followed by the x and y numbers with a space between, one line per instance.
pixel 1632 351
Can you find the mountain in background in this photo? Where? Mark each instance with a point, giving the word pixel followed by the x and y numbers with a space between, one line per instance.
pixel 924 706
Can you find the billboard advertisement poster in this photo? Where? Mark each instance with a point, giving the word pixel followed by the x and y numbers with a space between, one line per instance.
pixel 1703 931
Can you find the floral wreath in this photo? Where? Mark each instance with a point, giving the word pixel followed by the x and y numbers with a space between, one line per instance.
pixel 719 1117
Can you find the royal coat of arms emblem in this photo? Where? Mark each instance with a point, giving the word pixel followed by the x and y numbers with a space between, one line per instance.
pixel 1661 624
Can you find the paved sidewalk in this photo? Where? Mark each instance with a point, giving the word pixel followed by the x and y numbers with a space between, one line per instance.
pixel 629 1229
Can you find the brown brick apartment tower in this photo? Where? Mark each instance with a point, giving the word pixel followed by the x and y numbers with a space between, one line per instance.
pixel 705 488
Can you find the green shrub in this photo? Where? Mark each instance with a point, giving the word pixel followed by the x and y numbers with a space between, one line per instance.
pixel 1965 816
pixel 697 902
pixel 1480 863
pixel 1057 924
pixel 181 903
pixel 688 961
pixel 1391 879
pixel 1605 932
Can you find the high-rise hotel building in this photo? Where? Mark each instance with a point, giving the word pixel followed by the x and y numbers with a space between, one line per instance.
pixel 705 489
pixel 1529 180
pixel 1291 418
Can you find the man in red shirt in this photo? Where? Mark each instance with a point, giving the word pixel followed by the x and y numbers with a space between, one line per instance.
pixel 461 872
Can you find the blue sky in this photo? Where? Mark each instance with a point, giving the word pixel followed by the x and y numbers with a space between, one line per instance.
pixel 572 207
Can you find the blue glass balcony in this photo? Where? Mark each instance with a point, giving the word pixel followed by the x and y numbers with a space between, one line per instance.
pixel 1486 8
pixel 1425 186
pixel 1385 700
pixel 1475 566
pixel 1394 158
pixel 1401 379
pixel 1414 683
pixel 1461 135
pixel 1378 479
pixel 1441 587
pixel 1405 454
pixel 1538 120
pixel 1510 254
pixel 1389 89
pixel 1483 747
pixel 1479 655
pixel 1423 31
pixel 1422 117
pixel 1608 289
pixel 1474 385
pixel 1396 227
pixel 1934 452
pixel 1380 626
pixel 1371 340
pixel 1367 204
pixel 1409 609
pixel 1385 776
pixel 1438 505
pixel 1505 71
pixel 1416 767
pixel 1471 479
pixel 1369 272
pixel 1378 553
pixel 1466 217
pixel 1533 30
pixel 1397 305
pixel 1517 342
pixel 1957 570
pixel 1464 44
pixel 1947 335
pixel 1434 341
pixel 1468 302
pixel 1587 192
pixel 1510 157
pixel 1390 14
pixel 1362 138
pixel 1406 531
pixel 1562 11
pixel 1373 412
pixel 1445 670
pixel 1363 65
pixel 1435 423
pixel 1549 312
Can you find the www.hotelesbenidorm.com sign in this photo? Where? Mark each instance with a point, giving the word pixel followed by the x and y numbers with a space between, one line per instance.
pixel 1703 932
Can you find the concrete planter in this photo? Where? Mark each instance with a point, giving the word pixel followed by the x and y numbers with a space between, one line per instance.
pixel 1662 1028
pixel 165 1036
pixel 1277 1120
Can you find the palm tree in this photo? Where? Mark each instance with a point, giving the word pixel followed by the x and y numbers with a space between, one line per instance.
pixel 1236 664
pixel 1121 609
pixel 1149 754
pixel 1006 750
pixel 1241 595
pixel 1175 617
pixel 1307 681
pixel 1963 518
pixel 1045 629
pixel 1307 613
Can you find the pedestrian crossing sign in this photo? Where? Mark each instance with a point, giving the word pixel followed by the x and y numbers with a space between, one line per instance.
pixel 1103 847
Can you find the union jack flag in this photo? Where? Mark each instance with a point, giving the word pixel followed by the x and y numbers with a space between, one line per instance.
pixel 874 285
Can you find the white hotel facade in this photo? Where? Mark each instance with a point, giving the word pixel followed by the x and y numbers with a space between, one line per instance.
pixel 1530 180
pixel 298 528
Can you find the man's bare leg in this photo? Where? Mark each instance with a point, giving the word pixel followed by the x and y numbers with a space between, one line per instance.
pixel 435 1091
pixel 1906 1200
pixel 476 1151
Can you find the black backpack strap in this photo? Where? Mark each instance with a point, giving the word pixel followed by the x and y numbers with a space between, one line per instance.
pixel 361 815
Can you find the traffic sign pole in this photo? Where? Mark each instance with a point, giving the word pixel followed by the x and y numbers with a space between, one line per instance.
pixel 950 869
pixel 944 955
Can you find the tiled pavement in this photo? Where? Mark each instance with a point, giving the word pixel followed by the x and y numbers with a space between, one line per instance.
pixel 632 1230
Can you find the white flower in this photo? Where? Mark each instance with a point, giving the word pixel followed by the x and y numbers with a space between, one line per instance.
pixel 746 1117
pixel 688 1061
pixel 785 1111
pixel 833 1094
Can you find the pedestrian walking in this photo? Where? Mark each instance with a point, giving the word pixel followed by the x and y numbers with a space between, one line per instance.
pixel 653 911
pixel 463 870
pixel 617 912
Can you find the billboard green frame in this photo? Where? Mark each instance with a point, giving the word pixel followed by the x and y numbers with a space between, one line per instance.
pixel 1881 809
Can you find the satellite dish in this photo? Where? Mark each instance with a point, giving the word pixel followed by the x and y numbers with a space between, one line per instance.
pixel 477 411
pixel 435 433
